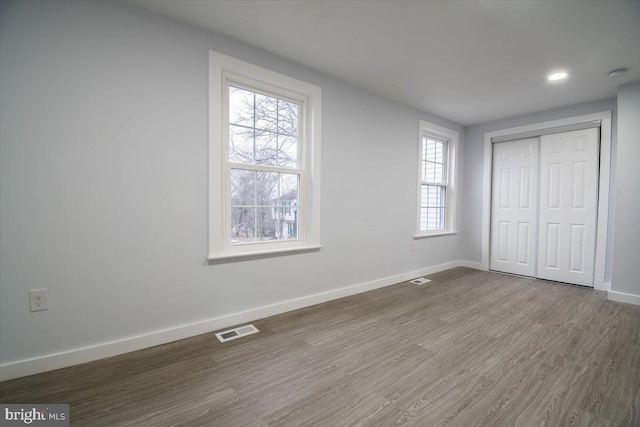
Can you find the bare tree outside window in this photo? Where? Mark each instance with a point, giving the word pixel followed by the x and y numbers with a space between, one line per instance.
pixel 263 130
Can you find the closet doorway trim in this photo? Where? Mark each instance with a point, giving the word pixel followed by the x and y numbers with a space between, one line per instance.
pixel 603 187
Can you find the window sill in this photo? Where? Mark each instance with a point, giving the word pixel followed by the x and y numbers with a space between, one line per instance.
pixel 260 254
pixel 444 233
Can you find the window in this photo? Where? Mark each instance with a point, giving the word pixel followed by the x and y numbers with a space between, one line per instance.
pixel 264 161
pixel 436 197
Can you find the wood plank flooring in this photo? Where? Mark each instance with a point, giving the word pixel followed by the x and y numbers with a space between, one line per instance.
pixel 471 348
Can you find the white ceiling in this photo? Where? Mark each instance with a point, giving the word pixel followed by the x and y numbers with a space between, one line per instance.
pixel 468 61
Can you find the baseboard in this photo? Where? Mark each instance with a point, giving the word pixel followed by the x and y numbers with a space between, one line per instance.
pixel 622 297
pixel 472 264
pixel 605 286
pixel 23 368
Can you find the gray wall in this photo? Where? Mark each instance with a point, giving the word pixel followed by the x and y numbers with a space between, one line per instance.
pixel 103 185
pixel 626 261
pixel 474 152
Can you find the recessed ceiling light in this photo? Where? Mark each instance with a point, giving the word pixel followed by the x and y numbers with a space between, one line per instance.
pixel 557 76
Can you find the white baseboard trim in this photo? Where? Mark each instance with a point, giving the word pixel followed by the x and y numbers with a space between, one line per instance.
pixel 472 264
pixel 50 362
pixel 622 297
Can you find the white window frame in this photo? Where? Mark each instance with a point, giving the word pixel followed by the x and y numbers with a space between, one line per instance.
pixel 223 71
pixel 451 137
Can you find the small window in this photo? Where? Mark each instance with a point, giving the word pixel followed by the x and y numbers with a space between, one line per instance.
pixel 264 161
pixel 436 170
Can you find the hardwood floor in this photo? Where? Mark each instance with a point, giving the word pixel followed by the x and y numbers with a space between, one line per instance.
pixel 470 348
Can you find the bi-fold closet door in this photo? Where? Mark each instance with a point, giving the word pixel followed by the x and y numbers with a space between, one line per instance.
pixel 544 206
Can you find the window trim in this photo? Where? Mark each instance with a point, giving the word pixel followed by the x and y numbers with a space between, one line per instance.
pixel 451 137
pixel 224 70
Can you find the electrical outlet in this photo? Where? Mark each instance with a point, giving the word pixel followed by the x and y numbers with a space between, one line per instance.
pixel 412 247
pixel 37 299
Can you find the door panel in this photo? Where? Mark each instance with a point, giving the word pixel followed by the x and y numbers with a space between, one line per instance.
pixel 568 206
pixel 514 207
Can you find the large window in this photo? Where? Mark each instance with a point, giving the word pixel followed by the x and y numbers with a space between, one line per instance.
pixel 263 158
pixel 436 197
pixel 264 161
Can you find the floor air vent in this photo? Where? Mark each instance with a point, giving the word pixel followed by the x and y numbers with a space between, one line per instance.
pixel 238 332
pixel 419 281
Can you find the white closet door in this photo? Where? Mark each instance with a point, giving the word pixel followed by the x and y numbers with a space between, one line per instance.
pixel 514 207
pixel 568 206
